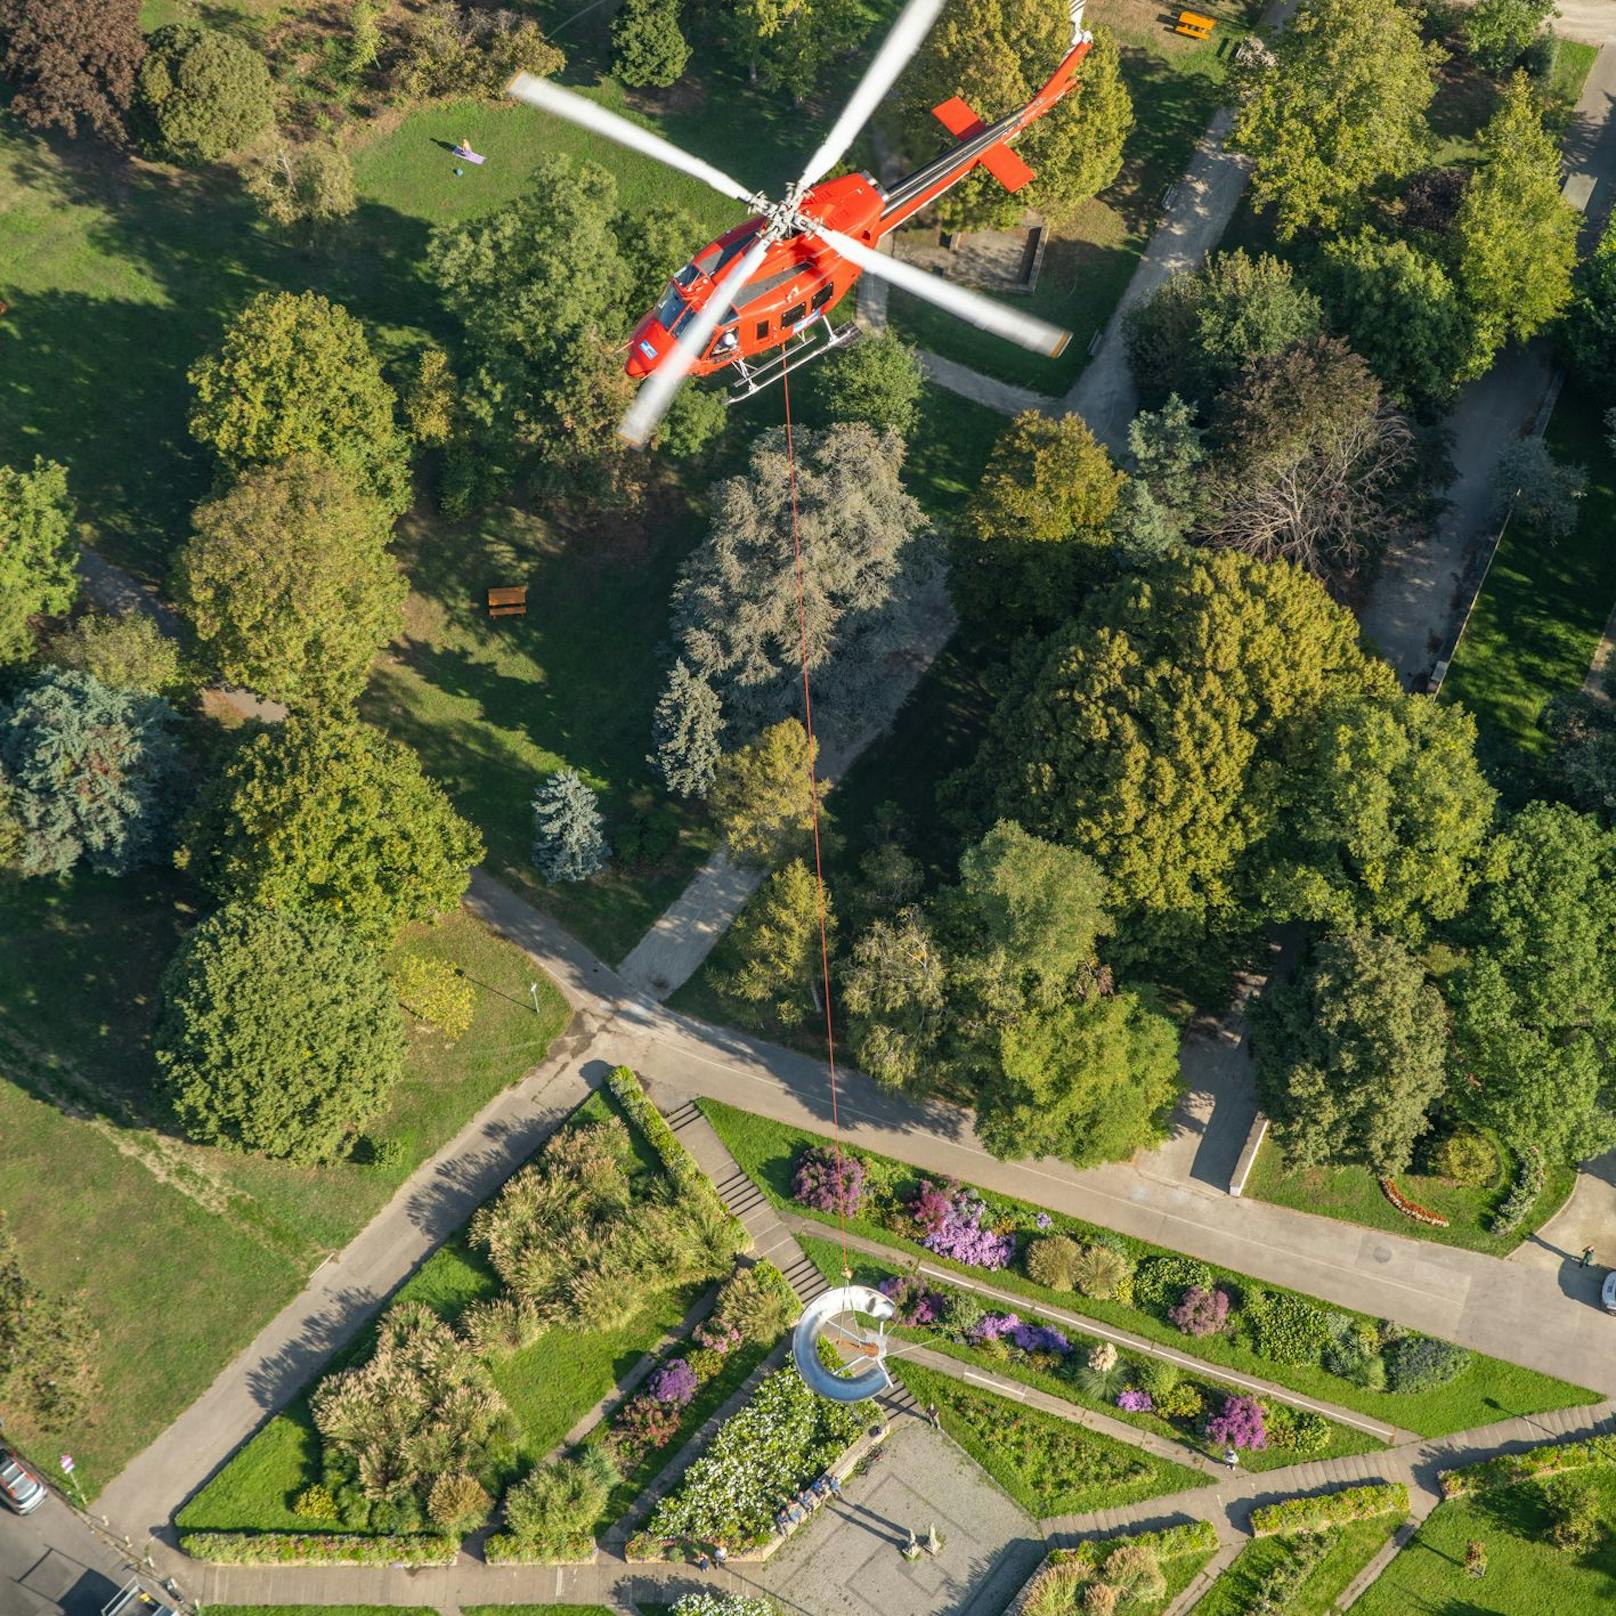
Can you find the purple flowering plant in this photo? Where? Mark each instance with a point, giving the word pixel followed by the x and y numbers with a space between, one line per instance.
pixel 950 1221
pixel 916 1306
pixel 674 1382
pixel 830 1180
pixel 1200 1311
pixel 1239 1424
pixel 1135 1401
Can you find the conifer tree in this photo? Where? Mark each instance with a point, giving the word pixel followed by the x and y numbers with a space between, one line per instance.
pixel 647 45
pixel 687 727
pixel 568 843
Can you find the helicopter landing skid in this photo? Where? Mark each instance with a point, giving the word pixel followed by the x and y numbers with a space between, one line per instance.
pixel 808 344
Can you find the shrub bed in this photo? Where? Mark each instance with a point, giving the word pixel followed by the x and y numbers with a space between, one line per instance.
pixel 1329 1509
pixel 319 1548
pixel 1523 1193
pixel 1060 1586
pixel 1509 1468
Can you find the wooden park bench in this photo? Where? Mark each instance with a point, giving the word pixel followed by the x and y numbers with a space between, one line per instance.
pixel 1194 26
pixel 509 602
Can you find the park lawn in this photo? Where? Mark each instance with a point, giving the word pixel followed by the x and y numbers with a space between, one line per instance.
pixel 1535 625
pixel 827 1257
pixel 1176 85
pixel 1354 1195
pixel 1237 1590
pixel 767 1150
pixel 1048 1465
pixel 1573 60
pixel 536 1610
pixel 549 1385
pixel 339 1610
pixel 1526 1574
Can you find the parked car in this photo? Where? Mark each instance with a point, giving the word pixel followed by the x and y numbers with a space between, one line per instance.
pixel 19 1486
pixel 1607 1292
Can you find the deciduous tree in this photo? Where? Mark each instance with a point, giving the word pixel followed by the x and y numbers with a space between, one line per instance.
pixel 1351 1054
pixel 1514 239
pixel 294 375
pixel 330 813
pixel 69 61
pixel 124 650
pixel 866 549
pixel 37 553
pixel 647 45
pixel 279 1032
pixel 1590 328
pixel 877 381
pixel 1499 32
pixel 203 93
pixel 1041 519
pixel 306 185
pixel 1341 111
pixel 289 584
pixel 761 797
pixel 894 992
pixel 777 938
pixel 997 54
pixel 91 771
pixel 1536 490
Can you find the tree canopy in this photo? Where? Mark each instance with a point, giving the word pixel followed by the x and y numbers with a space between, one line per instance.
pixel 289 584
pixel 866 548
pixel 329 813
pixel 204 92
pixel 294 375
pixel 37 553
pixel 1340 111
pixel 279 1032
pixel 71 61
pixel 1351 1053
pixel 877 381
pixel 761 797
pixel 92 773
pixel 997 54
pixel 124 650
pixel 647 45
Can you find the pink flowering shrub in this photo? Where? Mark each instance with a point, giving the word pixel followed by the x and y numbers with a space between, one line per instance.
pixel 950 1222
pixel 829 1180
pixel 1201 1311
pixel 916 1305
pixel 717 1337
pixel 1239 1424
pixel 1135 1401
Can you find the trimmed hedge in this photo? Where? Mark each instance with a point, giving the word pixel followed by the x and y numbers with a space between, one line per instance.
pixel 506 1548
pixel 683 1168
pixel 1193 1537
pixel 1329 1509
pixel 319 1548
pixel 1509 1468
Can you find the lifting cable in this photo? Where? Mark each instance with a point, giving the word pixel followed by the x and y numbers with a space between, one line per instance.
pixel 813 800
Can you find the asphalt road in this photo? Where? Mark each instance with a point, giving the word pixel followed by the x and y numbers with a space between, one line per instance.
pixel 52 1564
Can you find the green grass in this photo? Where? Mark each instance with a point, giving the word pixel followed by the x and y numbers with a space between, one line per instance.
pixel 827 1257
pixel 345 1610
pixel 1568 71
pixel 1235 1592
pixel 1176 85
pixel 1488 1391
pixel 538 1610
pixel 1537 621
pixel 548 1385
pixel 1048 1465
pixel 1526 1575
pixel 1354 1194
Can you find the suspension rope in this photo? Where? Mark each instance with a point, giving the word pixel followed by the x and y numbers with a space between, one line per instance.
pixel 813 800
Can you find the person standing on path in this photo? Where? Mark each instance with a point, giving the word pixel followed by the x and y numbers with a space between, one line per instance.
pixel 1587 1256
pixel 934 1416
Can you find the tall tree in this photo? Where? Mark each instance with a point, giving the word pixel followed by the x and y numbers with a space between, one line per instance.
pixel 647 45
pixel 1340 111
pixel 866 548
pixel 568 842
pixel 1202 327
pixel 295 375
pixel 1386 821
pixel 1514 239
pixel 47 1348
pixel 1041 518
pixel 1145 734
pixel 279 1032
pixel 894 992
pixel 333 814
pixel 785 44
pixel 204 93
pixel 92 773
pixel 777 939
pixel 69 61
pixel 1351 1054
pixel 288 582
pixel 654 242
pixel 1499 32
pixel 877 381
pixel 124 650
pixel 1311 461
pixel 761 797
pixel 997 54
pixel 37 553
pixel 1400 309
pixel 1591 319
pixel 687 731
pixel 1534 1005
pixel 1090 1080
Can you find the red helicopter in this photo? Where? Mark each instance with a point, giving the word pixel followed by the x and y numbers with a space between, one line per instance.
pixel 766 288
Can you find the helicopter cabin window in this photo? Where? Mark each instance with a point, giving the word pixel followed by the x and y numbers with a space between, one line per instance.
pixel 762 329
pixel 822 296
pixel 793 314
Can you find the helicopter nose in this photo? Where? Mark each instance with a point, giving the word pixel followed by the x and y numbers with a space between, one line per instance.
pixel 643 354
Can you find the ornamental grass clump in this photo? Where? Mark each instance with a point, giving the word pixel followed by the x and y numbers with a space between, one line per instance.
pixel 830 1180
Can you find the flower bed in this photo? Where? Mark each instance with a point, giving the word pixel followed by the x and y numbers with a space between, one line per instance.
pixel 319 1548
pixel 1411 1209
pixel 761 1457
pixel 1058 1586
pixel 1510 1468
pixel 1329 1509
pixel 1523 1193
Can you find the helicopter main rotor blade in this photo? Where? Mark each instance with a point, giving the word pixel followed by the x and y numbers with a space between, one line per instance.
pixel 1025 330
pixel 908 34
pixel 578 109
pixel 656 392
